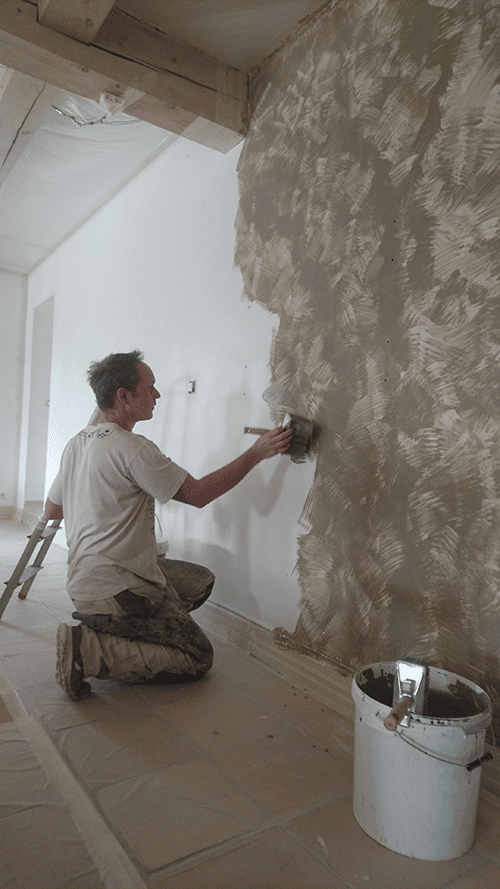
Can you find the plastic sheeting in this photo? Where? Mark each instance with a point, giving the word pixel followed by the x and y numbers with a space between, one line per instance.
pixel 78 158
pixel 37 833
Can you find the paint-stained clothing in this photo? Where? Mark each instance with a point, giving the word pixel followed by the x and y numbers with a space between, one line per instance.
pixel 141 633
pixel 134 608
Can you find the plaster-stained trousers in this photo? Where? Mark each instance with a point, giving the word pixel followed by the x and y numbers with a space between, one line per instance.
pixel 146 631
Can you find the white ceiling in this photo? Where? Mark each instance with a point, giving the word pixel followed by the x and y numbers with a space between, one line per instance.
pixel 64 175
pixel 67 170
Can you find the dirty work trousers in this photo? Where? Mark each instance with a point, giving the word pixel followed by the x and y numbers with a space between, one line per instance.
pixel 147 632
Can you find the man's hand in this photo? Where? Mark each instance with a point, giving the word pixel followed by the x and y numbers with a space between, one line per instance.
pixel 276 441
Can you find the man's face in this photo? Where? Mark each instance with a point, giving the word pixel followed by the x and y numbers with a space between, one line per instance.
pixel 141 405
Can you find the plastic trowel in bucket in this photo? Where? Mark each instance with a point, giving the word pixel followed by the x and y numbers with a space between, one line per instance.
pixel 410 689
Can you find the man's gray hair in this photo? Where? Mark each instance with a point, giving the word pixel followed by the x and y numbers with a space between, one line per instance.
pixel 116 371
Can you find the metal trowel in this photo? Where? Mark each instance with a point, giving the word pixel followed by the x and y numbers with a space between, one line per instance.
pixel 409 695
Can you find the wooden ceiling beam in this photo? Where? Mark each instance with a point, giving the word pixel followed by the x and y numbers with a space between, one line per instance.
pixel 79 19
pixel 200 98
pixel 127 37
pixel 24 104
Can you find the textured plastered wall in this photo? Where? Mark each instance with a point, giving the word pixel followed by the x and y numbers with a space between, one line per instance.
pixel 369 221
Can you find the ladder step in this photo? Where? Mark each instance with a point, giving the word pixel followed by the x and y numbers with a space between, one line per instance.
pixel 29 571
pixel 24 574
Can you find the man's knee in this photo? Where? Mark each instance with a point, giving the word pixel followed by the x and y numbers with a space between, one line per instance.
pixel 135 605
pixel 193 583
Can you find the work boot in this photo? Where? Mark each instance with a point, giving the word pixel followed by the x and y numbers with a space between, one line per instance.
pixel 69 670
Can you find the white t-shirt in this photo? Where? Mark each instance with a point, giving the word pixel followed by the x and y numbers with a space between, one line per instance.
pixel 107 484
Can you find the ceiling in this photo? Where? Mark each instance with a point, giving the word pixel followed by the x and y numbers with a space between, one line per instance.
pixel 92 90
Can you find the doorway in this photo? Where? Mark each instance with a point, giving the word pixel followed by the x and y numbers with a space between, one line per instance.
pixel 39 406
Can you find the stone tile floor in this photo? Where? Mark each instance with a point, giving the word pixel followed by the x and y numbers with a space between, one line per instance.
pixel 239 781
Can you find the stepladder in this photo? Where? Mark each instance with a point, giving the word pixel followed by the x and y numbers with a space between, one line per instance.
pixel 25 571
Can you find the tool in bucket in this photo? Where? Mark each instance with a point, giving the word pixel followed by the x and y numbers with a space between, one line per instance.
pixel 411 682
pixel 24 574
pixel 411 686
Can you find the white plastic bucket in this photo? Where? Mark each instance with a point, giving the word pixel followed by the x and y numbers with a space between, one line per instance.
pixel 412 790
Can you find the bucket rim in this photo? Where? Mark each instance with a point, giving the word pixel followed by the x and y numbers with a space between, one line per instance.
pixel 468 724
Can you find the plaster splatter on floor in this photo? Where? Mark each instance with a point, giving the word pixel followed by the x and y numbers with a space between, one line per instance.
pixel 369 222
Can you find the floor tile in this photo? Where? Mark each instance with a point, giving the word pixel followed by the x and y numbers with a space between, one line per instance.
pixel 487 834
pixel 111 750
pixel 333 732
pixel 237 665
pixel 217 715
pixel 16 633
pixel 32 610
pixel 24 782
pixel 292 704
pixel 269 861
pixel 22 644
pixel 31 666
pixel 175 812
pixel 286 773
pixel 333 833
pixel 487 877
pixel 55 711
pixel 165 694
pixel 53 855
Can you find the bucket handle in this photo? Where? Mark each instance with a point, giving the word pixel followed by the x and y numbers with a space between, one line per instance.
pixel 475 764
pixel 479 762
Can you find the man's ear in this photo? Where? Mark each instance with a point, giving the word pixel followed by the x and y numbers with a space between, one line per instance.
pixel 122 394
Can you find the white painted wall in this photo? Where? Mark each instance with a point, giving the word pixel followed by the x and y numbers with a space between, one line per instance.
pixel 154 270
pixel 12 307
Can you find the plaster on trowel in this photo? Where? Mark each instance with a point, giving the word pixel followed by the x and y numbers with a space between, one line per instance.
pixel 305 434
pixel 410 689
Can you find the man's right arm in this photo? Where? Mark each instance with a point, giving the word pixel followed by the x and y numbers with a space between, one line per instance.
pixel 200 492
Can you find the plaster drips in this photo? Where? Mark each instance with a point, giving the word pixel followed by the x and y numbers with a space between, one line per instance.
pixel 369 222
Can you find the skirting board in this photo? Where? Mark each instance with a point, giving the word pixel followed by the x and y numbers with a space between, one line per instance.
pixel 309 675
pixel 318 679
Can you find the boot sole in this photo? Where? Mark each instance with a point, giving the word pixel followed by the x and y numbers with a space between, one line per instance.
pixel 64 665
